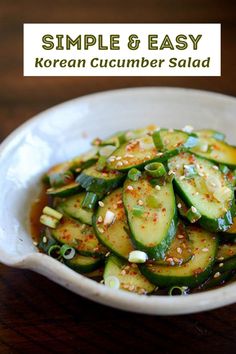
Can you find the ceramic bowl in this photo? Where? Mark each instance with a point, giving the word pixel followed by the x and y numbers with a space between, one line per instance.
pixel 64 131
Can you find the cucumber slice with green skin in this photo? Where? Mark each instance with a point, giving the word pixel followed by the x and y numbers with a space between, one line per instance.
pixel 83 264
pixel 139 133
pixel 175 141
pixel 201 192
pixel 65 191
pixel 226 251
pixel 79 162
pixel 128 274
pixel 72 207
pixel 79 236
pixel 209 133
pixel 99 182
pixel 115 236
pixel 180 250
pixel 214 282
pixel 153 230
pixel 134 153
pixel 230 234
pixel 192 273
pixel 225 266
pixel 216 151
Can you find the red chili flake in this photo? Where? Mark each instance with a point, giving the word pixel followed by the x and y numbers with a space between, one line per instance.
pixel 197 271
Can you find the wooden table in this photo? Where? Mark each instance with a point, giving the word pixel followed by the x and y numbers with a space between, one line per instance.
pixel 36 315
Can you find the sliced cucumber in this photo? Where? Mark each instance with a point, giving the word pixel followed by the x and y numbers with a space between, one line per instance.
pixel 83 264
pixel 180 250
pixel 79 236
pixel 226 251
pixel 134 153
pixel 216 151
pixel 207 193
pixel 137 152
pixel 99 182
pixel 230 234
pixel 209 133
pixel 172 142
pixel 116 235
pixel 192 273
pixel 130 278
pixel 153 229
pixel 72 207
pixel 65 191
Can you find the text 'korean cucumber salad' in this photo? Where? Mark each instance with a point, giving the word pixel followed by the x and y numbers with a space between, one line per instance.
pixel 149 211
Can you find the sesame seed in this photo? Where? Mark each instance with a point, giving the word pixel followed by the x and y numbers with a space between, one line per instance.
pixel 107 254
pixel 119 202
pixel 197 193
pixel 205 249
pixel 45 239
pixel 179 205
pixel 100 219
pixel 194 210
pixel 101 204
pixel 100 230
pixel 181 178
pixel 221 258
pixel 118 158
pixel 130 188
pixel 35 243
pixel 215 167
pixel 216 275
pixel 119 164
pixel 179 250
pixel 171 173
pixel 125 162
pixel 169 259
pixel 180 236
pixel 201 174
pixel 123 272
pixel 157 187
pixel 159 153
pixel 140 202
pixel 221 264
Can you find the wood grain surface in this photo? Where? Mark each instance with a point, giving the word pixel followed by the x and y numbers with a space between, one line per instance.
pixel 36 315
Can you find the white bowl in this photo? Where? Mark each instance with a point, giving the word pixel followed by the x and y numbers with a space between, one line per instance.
pixel 66 130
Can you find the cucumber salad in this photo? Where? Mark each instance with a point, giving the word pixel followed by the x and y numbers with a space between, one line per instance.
pixel 150 211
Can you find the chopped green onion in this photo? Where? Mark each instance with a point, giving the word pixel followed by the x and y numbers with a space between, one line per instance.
pixel 155 169
pixel 54 251
pixel 52 212
pixel 193 214
pixel 101 164
pixel 138 257
pixel 218 135
pixel 134 174
pixel 156 136
pixel 49 221
pixel 224 169
pixel 152 201
pixel 67 252
pixel 90 200
pixel 112 282
pixel 138 210
pixel 190 171
pixel 178 290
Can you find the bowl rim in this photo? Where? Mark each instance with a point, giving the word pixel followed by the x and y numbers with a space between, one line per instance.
pixel 151 304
